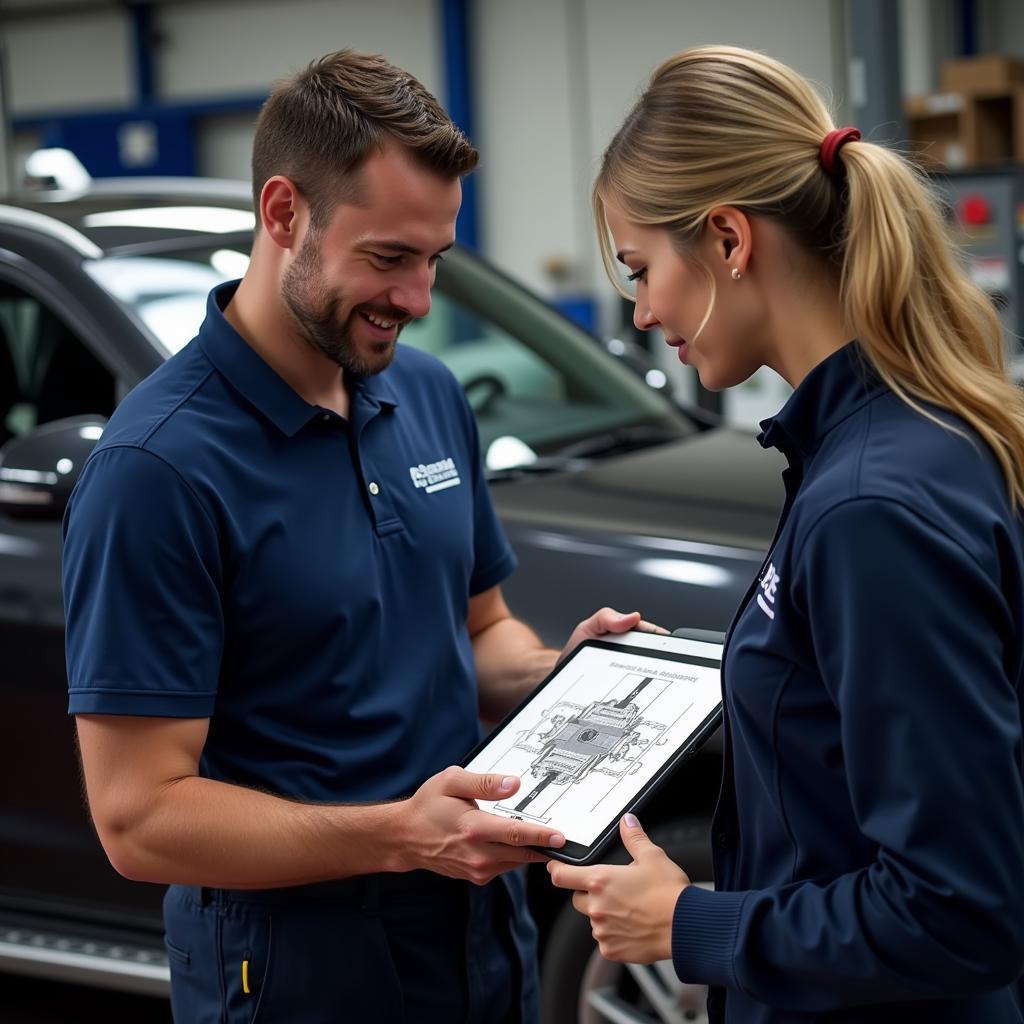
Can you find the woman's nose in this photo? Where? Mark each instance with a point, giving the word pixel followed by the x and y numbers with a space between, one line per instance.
pixel 643 318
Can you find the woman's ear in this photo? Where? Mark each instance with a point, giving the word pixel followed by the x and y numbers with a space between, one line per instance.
pixel 728 234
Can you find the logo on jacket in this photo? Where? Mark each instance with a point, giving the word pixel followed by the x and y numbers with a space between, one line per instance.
pixel 766 593
pixel 435 476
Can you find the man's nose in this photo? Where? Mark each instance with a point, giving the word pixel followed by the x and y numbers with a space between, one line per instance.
pixel 413 295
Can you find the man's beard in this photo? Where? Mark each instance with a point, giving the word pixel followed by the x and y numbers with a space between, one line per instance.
pixel 315 312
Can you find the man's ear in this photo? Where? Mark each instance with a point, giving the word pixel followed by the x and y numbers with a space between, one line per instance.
pixel 283 210
pixel 730 238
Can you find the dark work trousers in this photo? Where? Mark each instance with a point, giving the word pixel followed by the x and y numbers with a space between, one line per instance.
pixel 412 948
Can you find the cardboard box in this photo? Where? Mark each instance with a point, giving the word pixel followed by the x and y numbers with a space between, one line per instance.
pixel 937 130
pixel 989 73
pixel 953 131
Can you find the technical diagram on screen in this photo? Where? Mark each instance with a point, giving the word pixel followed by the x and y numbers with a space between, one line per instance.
pixel 598 736
pixel 571 741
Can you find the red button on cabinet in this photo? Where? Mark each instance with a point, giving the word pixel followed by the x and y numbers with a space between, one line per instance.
pixel 974 210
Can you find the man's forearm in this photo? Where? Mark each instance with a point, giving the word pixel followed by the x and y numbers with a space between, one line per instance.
pixel 510 662
pixel 202 832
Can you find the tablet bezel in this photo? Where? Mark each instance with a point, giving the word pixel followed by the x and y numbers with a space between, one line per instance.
pixel 652 645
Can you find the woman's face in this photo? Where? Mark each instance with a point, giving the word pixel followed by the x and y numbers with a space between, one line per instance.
pixel 674 293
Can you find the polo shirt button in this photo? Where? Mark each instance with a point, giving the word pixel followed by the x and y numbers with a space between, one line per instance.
pixel 724 840
pixel 374 488
pixel 326 418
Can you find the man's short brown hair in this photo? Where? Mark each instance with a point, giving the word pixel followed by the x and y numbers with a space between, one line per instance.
pixel 319 125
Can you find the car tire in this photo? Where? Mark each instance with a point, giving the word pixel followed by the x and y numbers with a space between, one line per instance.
pixel 577 982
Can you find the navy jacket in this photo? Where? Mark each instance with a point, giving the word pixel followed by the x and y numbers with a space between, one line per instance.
pixel 869 838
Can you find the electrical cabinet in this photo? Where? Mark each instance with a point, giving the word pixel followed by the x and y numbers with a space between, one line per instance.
pixel 987 211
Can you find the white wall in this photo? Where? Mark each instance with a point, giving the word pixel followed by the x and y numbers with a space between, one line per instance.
pixel 84 60
pixel 241 46
pixel 74 61
pixel 525 118
pixel 555 80
pixel 926 28
pixel 224 145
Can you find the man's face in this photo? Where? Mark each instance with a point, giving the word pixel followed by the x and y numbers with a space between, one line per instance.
pixel 356 283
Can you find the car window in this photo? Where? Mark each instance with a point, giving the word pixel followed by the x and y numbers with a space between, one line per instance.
pixel 46 372
pixel 475 349
pixel 168 293
pixel 513 390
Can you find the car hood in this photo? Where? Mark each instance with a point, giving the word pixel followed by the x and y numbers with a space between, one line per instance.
pixel 718 487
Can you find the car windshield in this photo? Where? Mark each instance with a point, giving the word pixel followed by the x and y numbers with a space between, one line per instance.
pixel 532 377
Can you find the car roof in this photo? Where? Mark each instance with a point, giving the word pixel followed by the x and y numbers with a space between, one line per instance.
pixel 112 213
pixel 125 216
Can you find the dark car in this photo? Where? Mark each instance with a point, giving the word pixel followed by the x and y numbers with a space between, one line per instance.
pixel 610 494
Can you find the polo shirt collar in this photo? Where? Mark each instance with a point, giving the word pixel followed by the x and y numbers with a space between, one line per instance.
pixel 834 390
pixel 376 389
pixel 258 383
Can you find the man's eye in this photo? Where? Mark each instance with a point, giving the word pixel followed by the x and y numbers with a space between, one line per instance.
pixel 638 275
pixel 390 261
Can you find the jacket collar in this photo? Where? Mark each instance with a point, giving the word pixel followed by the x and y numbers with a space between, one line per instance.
pixel 833 391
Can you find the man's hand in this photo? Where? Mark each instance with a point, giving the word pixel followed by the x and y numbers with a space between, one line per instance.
pixel 447 833
pixel 630 907
pixel 605 621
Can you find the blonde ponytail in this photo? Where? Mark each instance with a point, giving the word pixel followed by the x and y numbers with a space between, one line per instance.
pixel 721 126
pixel 930 333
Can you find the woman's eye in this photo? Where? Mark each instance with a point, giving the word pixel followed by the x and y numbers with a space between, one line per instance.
pixel 638 275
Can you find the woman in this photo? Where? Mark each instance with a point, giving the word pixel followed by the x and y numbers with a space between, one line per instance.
pixel 869 837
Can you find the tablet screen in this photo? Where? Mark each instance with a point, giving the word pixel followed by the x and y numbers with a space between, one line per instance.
pixel 593 736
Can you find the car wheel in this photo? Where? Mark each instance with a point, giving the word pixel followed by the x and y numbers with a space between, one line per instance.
pixel 580 987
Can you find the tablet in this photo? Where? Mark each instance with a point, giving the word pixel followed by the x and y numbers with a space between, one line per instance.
pixel 601 733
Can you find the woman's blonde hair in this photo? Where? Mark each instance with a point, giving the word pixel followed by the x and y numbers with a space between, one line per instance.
pixel 720 126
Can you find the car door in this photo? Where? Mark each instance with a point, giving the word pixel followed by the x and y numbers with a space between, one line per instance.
pixel 49 371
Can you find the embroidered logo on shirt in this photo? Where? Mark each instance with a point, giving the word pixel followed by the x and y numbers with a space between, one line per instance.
pixel 766 594
pixel 435 476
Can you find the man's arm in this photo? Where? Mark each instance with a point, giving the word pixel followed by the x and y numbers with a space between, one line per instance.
pixel 159 821
pixel 510 658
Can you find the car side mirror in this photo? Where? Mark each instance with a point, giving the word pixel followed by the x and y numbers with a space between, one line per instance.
pixel 38 471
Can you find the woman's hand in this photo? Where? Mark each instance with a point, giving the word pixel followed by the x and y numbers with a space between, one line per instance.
pixel 630 906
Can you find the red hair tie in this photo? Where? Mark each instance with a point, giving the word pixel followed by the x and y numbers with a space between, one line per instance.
pixel 831 145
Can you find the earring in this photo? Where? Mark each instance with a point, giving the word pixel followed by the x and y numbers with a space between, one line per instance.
pixel 736 275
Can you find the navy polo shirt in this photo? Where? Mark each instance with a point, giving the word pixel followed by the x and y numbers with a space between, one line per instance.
pixel 869 838
pixel 235 553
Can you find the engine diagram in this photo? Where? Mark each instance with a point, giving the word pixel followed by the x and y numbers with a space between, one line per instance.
pixel 574 743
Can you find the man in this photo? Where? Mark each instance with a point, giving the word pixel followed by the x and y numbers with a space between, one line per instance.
pixel 276 635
